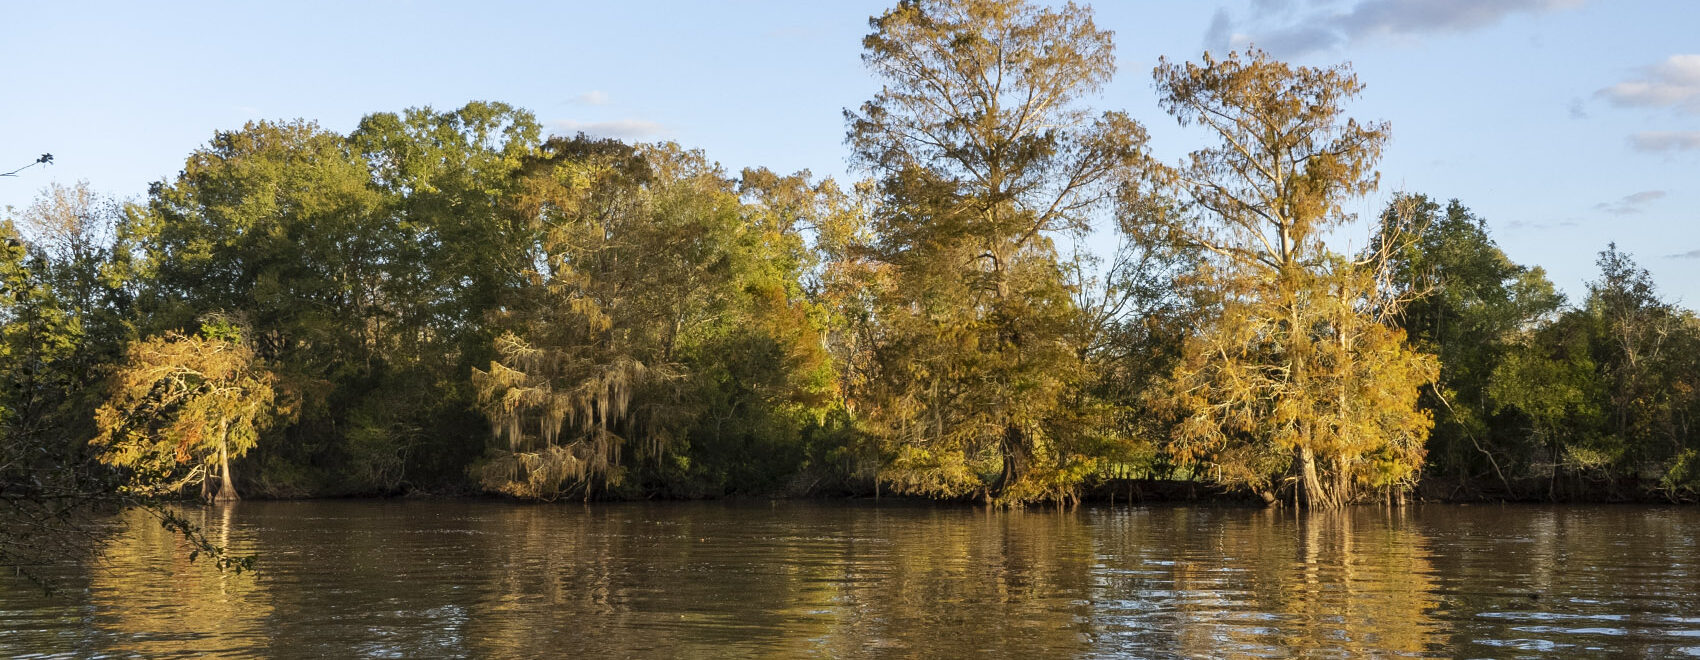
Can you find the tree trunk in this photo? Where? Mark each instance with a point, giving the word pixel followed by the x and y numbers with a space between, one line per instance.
pixel 227 485
pixel 1341 492
pixel 1014 453
pixel 1316 494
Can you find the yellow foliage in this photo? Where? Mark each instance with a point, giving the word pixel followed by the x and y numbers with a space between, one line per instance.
pixel 179 406
pixel 1289 376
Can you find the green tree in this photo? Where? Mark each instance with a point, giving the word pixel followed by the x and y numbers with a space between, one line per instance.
pixel 1474 306
pixel 1473 310
pixel 771 416
pixel 73 232
pixel 38 336
pixel 1625 359
pixel 276 224
pixel 1676 451
pixel 366 264
pixel 985 155
pixel 664 341
pixel 63 320
pixel 448 180
pixel 63 324
pixel 452 250
pixel 1546 389
pixel 1633 332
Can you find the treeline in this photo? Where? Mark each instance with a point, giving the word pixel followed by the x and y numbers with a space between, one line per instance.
pixel 348 314
pixel 447 301
pixel 1539 398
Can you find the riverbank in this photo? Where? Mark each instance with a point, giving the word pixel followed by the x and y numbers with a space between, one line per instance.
pixel 1149 491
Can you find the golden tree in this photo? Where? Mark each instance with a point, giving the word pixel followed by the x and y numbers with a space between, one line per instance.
pixel 1332 405
pixel 181 407
pixel 1298 376
pixel 985 154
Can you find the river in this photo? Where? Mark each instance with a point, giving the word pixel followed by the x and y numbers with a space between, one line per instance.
pixel 434 578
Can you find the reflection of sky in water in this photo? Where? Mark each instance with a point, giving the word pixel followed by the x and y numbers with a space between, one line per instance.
pixel 424 578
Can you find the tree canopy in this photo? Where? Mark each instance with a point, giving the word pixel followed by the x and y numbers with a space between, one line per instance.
pixel 985 154
pixel 455 301
pixel 182 406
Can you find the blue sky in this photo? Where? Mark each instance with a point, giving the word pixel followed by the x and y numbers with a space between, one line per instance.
pixel 1566 123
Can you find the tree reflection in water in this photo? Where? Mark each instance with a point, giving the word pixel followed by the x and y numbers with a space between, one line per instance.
pixel 452 578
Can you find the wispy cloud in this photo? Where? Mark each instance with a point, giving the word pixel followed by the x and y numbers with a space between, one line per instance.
pixel 1691 254
pixel 592 97
pixel 624 129
pixel 1295 27
pixel 1578 110
pixel 1528 224
pixel 1657 141
pixel 1220 36
pixel 1630 204
pixel 1673 83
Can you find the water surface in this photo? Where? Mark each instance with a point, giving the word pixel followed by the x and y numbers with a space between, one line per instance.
pixel 490 579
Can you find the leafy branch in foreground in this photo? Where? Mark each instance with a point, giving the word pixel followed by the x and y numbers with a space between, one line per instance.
pixel 219 555
pixel 45 159
pixel 47 529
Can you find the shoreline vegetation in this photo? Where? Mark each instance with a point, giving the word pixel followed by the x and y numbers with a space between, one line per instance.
pixel 450 301
pixel 1152 491
pixel 1122 492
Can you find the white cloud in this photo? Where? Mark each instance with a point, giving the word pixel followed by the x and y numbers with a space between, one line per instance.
pixel 1656 141
pixel 624 129
pixel 1691 254
pixel 1630 204
pixel 1295 28
pixel 1673 83
pixel 592 97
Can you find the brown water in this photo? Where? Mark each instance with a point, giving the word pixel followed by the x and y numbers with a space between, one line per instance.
pixel 486 579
